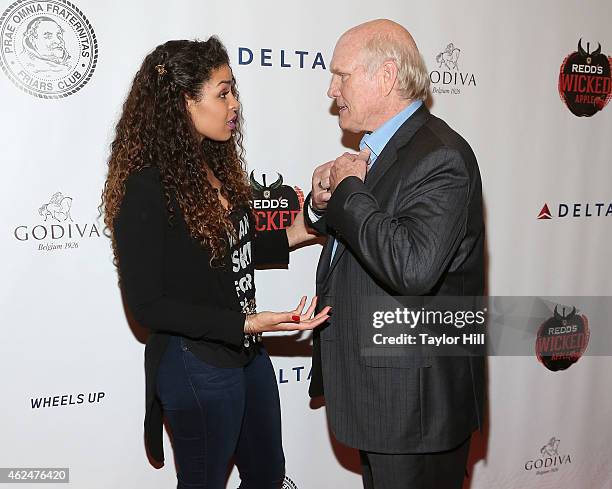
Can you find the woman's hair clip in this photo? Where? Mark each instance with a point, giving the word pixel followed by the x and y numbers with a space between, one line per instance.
pixel 161 70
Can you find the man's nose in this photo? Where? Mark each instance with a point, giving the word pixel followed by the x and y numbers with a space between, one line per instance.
pixel 332 91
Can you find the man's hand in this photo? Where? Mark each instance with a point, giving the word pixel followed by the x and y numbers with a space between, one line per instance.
pixel 298 232
pixel 349 165
pixel 320 187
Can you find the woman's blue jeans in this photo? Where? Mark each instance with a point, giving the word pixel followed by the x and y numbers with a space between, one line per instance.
pixel 215 413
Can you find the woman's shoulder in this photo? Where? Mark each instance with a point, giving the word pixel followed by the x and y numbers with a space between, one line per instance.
pixel 144 181
pixel 143 191
pixel 147 174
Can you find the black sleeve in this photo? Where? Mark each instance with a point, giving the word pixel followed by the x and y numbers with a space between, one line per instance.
pixel 139 234
pixel 271 248
pixel 320 226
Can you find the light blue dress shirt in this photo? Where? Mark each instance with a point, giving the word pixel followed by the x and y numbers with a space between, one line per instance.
pixel 377 140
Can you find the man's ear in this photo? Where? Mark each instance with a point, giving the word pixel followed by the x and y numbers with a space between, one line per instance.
pixel 388 76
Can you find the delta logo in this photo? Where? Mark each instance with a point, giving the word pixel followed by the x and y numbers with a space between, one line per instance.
pixel 281 58
pixel 576 210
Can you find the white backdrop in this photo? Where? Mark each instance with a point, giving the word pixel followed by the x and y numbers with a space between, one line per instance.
pixel 64 330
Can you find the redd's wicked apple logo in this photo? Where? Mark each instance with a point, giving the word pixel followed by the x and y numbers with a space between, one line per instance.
pixel 585 84
pixel 562 339
pixel 275 204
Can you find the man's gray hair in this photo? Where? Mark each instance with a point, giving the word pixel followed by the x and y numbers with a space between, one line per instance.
pixel 412 76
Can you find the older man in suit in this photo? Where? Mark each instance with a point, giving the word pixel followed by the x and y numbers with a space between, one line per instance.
pixel 403 218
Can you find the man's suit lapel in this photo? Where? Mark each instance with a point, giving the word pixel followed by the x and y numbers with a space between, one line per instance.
pixel 383 163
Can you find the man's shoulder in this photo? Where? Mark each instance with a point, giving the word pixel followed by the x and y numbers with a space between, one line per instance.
pixel 436 134
pixel 440 130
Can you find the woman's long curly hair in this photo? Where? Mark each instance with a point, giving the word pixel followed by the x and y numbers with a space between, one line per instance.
pixel 155 130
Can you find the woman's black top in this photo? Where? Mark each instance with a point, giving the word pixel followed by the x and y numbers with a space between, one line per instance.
pixel 171 288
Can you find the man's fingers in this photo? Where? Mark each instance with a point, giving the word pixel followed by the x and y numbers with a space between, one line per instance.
pixel 364 154
pixel 323 169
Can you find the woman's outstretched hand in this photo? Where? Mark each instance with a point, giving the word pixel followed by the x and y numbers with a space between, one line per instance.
pixel 295 320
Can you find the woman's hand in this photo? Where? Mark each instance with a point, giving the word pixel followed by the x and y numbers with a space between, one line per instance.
pixel 294 320
pixel 298 232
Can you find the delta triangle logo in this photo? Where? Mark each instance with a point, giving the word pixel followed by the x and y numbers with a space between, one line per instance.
pixel 545 213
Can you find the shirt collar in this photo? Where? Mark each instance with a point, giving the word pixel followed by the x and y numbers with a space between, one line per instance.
pixel 377 140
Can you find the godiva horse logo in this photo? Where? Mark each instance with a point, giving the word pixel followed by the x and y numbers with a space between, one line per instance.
pixel 549 460
pixel 56 229
pixel 448 78
pixel 551 449
pixel 58 208
pixel 449 57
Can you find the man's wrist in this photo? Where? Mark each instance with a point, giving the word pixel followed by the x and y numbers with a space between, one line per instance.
pixel 312 210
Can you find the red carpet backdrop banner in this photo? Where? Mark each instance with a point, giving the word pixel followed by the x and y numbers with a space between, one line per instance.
pixel 526 83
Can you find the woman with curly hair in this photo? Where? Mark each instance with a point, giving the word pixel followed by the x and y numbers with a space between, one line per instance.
pixel 177 201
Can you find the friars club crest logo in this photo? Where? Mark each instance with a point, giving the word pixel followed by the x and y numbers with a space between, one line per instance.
pixel 49 49
pixel 448 78
pixel 275 204
pixel 585 81
pixel 562 339
pixel 289 484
